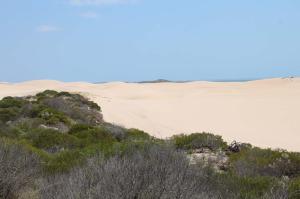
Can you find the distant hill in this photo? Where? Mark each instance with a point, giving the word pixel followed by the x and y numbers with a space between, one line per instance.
pixel 161 81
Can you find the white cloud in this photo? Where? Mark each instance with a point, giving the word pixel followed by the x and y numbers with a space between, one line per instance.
pixel 47 28
pixel 89 14
pixel 99 2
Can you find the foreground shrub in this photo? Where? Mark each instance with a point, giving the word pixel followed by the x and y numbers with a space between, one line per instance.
pixel 18 168
pixel 159 173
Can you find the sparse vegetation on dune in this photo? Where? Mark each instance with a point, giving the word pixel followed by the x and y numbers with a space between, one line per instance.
pixel 56 145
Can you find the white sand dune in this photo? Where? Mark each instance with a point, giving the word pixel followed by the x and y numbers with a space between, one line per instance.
pixel 265 113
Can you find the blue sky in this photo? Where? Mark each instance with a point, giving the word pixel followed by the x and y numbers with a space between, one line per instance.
pixel 133 40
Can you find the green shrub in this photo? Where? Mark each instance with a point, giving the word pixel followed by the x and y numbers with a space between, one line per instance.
pixel 68 159
pixel 241 187
pixel 104 148
pixel 199 140
pixel 64 94
pixel 63 161
pixel 52 116
pixel 294 188
pixel 26 125
pixel 49 139
pixel 8 102
pixel 77 128
pixel 257 161
pixel 116 131
pixel 46 94
pixel 253 187
pixel 91 135
pixel 32 110
pixel 10 132
pixel 8 114
pixel 136 134
pixel 290 164
pixel 93 105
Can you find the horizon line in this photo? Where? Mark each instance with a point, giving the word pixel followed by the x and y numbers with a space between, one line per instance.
pixel 160 80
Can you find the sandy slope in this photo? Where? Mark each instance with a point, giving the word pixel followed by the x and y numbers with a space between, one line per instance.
pixel 265 113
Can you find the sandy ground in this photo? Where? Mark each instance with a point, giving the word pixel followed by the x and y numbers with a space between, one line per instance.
pixel 265 113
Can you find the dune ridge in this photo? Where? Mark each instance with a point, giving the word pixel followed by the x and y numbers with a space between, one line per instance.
pixel 264 113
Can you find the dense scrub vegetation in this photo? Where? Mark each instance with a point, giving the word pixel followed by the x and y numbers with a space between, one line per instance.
pixel 56 145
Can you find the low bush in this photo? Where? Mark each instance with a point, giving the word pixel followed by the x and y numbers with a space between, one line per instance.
pixel 51 140
pixel 77 128
pixel 199 140
pixel 95 135
pixel 135 135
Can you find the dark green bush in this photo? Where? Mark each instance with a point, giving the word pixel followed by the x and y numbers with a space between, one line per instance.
pixel 8 114
pixel 77 128
pixel 8 102
pixel 199 140
pixel 46 94
pixel 64 94
pixel 10 108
